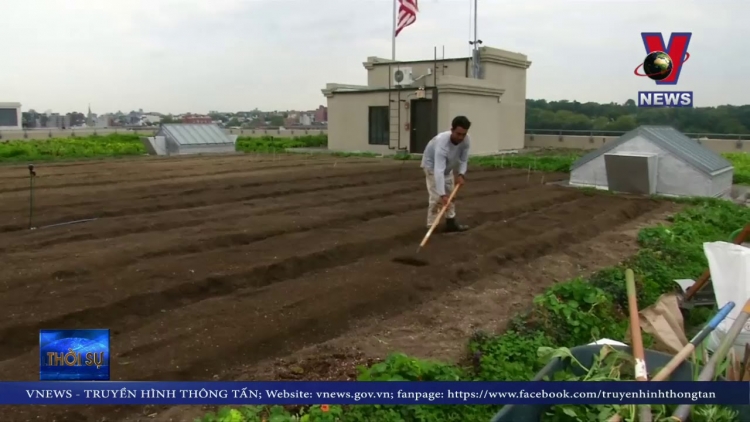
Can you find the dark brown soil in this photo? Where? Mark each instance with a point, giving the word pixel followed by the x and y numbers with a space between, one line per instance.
pixel 203 267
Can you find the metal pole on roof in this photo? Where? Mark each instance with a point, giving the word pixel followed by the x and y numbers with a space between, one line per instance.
pixel 476 52
pixel 393 33
pixel 475 24
pixel 475 44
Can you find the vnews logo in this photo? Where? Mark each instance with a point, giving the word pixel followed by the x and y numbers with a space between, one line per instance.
pixel 663 66
pixel 80 355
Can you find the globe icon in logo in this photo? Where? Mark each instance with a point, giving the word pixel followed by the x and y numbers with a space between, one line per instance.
pixel 657 66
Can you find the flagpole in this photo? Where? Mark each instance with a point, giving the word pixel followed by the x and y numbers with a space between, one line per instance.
pixel 475 53
pixel 393 33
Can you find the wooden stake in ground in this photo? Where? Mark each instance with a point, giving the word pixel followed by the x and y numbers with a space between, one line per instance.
pixel 641 372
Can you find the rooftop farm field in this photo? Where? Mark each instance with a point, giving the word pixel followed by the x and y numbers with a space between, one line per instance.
pixel 261 266
pixel 298 248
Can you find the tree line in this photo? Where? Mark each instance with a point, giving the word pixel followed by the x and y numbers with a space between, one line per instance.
pixel 572 115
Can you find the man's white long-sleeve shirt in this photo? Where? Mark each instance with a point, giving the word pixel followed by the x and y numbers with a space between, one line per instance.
pixel 442 156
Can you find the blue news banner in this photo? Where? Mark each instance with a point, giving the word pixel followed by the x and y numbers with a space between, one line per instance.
pixel 74 368
pixel 384 393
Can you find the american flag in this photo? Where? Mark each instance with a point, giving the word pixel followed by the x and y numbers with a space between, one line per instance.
pixel 407 14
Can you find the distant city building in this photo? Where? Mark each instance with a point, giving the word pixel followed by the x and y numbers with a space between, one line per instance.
pixel 149 119
pixel 31 119
pixel 321 114
pixel 10 116
pixel 242 119
pixel 54 120
pixel 305 119
pixel 90 117
pixel 105 120
pixel 196 119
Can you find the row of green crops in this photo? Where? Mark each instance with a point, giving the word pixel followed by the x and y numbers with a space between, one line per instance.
pixel 269 144
pixel 566 315
pixel 122 145
pixel 115 145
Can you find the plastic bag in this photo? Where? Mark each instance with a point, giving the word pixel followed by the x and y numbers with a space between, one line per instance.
pixel 730 275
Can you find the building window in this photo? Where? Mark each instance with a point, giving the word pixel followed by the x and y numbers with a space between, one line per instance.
pixel 8 117
pixel 379 126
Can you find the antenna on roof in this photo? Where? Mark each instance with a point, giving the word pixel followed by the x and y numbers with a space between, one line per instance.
pixel 475 44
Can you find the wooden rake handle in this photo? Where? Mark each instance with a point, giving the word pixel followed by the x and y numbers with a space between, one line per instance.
pixel 440 216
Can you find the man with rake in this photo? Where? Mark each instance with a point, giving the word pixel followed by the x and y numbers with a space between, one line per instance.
pixel 445 162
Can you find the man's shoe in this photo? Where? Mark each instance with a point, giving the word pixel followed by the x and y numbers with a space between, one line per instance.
pixel 451 226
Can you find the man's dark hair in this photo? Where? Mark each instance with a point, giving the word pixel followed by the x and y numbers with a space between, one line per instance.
pixel 461 121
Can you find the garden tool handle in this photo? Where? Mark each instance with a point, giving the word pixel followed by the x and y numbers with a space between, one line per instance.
pixel 440 216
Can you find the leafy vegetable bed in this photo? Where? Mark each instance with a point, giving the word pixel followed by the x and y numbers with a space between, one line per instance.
pixel 124 145
pixel 115 145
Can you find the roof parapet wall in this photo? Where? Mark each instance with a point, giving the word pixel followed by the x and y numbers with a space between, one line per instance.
pixel 332 88
pixel 503 57
pixel 458 85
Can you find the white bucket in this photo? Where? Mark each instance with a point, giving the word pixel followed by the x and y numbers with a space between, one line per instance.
pixel 730 275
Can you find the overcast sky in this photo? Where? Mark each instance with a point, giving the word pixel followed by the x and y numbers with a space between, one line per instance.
pixel 230 55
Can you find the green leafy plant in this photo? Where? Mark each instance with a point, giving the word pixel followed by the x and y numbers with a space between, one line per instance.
pixel 322 413
pixel 613 365
pixel 507 357
pixel 399 367
pixel 575 312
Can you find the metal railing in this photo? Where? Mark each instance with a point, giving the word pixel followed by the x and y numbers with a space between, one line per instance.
pixel 34 134
pixel 727 136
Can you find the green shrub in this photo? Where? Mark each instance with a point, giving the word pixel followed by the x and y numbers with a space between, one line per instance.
pixel 741 163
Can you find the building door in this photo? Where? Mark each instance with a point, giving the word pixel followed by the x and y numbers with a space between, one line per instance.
pixel 421 125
